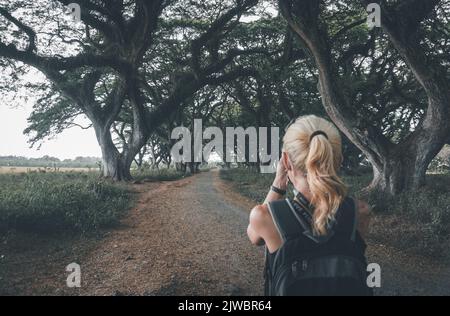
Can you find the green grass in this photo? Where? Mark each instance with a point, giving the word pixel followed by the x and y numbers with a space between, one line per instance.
pixel 422 217
pixel 70 201
pixel 428 212
pixel 162 174
pixel 56 202
pixel 248 182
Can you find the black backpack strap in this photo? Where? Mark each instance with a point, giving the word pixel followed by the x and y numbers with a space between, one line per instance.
pixel 284 219
pixel 355 221
pixel 291 220
pixel 267 274
pixel 348 220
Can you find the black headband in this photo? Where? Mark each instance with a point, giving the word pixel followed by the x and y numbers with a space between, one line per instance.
pixel 318 133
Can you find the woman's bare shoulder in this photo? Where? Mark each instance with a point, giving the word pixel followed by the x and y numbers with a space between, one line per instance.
pixel 260 216
pixel 259 213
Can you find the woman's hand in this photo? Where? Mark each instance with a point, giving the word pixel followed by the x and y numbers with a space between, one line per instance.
pixel 280 181
pixel 281 178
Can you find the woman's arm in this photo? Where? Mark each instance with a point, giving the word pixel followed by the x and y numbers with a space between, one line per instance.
pixel 259 214
pixel 254 228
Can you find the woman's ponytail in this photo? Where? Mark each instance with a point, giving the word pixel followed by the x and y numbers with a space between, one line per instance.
pixel 314 147
pixel 327 190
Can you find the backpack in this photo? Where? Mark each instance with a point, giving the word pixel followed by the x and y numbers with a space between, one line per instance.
pixel 310 265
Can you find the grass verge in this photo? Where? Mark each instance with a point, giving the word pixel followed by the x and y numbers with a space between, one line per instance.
pixel 54 202
pixel 153 175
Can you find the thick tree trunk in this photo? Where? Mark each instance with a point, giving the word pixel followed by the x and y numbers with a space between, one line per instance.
pixel 404 168
pixel 191 167
pixel 180 166
pixel 114 165
pixel 395 178
pixel 397 175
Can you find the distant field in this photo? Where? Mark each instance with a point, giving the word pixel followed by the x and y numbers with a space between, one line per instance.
pixel 6 170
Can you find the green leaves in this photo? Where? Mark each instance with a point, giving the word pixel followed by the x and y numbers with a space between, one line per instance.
pixel 51 115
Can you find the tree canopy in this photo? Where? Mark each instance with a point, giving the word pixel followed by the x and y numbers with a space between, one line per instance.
pixel 136 69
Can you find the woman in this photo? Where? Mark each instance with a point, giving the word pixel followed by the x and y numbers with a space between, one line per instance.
pixel 311 158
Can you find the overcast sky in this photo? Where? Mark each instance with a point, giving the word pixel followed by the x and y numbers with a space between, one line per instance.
pixel 70 144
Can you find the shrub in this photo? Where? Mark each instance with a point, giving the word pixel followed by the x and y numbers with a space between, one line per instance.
pixel 60 201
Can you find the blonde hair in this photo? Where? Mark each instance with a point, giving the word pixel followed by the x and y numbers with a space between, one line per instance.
pixel 320 158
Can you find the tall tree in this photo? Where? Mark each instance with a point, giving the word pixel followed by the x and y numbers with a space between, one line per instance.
pixel 400 165
pixel 106 70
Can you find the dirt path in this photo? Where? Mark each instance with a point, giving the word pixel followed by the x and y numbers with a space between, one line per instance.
pixel 186 237
pixel 182 239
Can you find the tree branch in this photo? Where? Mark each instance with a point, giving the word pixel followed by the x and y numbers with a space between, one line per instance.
pixel 28 30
